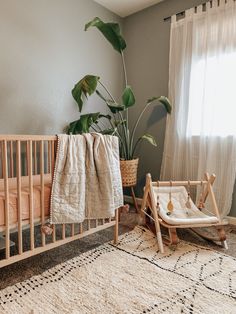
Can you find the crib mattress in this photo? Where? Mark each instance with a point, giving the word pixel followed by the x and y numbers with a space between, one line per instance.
pixel 181 215
pixel 25 204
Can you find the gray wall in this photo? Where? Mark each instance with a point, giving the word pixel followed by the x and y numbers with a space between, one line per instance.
pixel 147 58
pixel 44 52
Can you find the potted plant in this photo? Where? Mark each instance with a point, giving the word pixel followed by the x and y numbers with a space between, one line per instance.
pixel 117 122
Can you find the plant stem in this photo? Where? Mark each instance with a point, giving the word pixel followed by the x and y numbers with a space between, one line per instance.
pixel 120 139
pixel 121 118
pixel 135 146
pixel 127 110
pixel 108 92
pixel 106 89
pixel 113 126
pixel 125 135
pixel 135 126
pixel 124 68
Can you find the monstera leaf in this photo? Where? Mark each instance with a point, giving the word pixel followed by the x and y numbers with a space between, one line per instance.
pixel 128 97
pixel 111 31
pixel 149 138
pixel 86 86
pixel 83 124
pixel 112 105
pixel 146 137
pixel 109 131
pixel 100 95
pixel 163 100
pixel 106 116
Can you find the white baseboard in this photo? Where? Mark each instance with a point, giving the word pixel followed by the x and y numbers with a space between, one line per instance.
pixel 129 199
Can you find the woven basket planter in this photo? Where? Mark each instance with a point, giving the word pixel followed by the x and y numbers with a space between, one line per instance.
pixel 129 169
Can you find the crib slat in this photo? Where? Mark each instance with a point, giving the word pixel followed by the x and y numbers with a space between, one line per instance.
pixel 6 189
pixel 27 158
pixel 30 168
pixel 72 230
pixel 63 231
pixel 80 228
pixel 52 158
pixel 54 234
pixel 35 158
pixel 49 157
pixel 18 174
pixel 2 158
pixel 96 223
pixel 42 188
pixel 52 173
pixel 116 229
pixel 11 160
pixel 89 224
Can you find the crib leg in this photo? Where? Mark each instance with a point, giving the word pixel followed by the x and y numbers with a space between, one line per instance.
pixel 224 244
pixel 222 236
pixel 174 240
pixel 221 233
pixel 116 230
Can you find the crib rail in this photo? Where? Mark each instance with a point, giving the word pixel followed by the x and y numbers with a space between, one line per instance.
pixel 26 163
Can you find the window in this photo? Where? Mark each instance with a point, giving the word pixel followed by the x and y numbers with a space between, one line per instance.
pixel 212 96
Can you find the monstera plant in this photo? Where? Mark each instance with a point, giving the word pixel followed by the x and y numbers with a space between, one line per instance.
pixel 117 122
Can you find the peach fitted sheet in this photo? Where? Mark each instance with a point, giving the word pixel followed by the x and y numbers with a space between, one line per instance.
pixel 25 204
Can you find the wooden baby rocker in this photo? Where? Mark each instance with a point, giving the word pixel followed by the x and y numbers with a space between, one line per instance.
pixel 171 206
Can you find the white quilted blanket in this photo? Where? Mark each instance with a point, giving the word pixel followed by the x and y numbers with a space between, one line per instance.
pixel 87 180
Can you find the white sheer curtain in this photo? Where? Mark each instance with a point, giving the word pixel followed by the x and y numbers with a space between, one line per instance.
pixel 201 131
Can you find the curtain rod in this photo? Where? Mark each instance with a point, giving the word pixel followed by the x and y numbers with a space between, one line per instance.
pixel 177 14
pixel 183 12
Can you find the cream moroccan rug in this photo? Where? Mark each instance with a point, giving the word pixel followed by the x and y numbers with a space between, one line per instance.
pixel 131 278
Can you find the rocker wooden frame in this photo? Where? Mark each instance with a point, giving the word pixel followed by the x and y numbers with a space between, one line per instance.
pixel 39 172
pixel 149 202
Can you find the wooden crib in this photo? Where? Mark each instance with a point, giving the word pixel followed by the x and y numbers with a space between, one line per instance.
pixel 26 172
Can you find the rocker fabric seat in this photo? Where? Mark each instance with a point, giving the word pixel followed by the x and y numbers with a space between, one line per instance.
pixel 181 215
